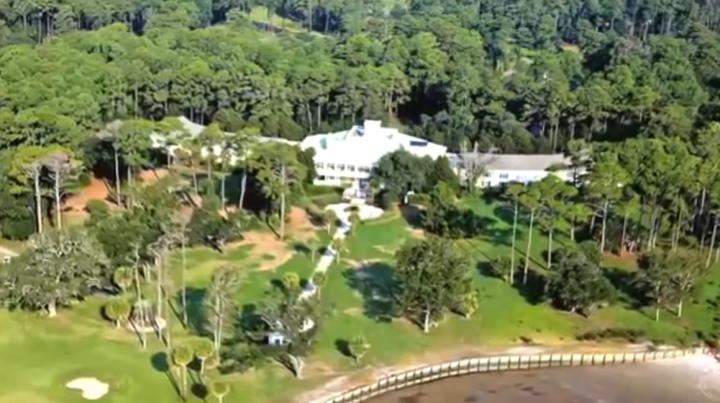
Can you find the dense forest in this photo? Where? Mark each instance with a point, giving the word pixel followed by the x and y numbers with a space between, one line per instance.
pixel 510 76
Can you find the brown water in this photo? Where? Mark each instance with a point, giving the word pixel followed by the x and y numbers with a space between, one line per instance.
pixel 680 381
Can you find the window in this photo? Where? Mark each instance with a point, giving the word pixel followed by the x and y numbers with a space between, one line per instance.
pixel 504 176
pixel 341 167
pixel 330 166
pixel 319 165
pixel 351 168
pixel 363 169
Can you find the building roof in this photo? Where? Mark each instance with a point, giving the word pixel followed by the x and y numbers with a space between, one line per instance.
pixel 367 143
pixel 511 162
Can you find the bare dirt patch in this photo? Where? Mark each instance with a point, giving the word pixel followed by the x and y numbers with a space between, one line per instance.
pixel 265 244
pixel 152 175
pixel 269 252
pixel 299 226
pixel 96 190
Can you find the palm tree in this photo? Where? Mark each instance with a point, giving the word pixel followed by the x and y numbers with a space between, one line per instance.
pixel 358 347
pixel 338 245
pixel 291 281
pixel 204 349
pixel 330 218
pixel 313 245
pixel 123 278
pixel 319 279
pixel 117 310
pixel 354 220
pixel 219 389
pixel 182 355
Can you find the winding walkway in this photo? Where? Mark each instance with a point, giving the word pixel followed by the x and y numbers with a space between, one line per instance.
pixel 366 212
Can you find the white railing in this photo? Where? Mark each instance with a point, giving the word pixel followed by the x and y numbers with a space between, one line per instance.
pixel 501 363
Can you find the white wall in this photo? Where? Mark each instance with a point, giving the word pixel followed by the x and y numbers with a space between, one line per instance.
pixel 497 177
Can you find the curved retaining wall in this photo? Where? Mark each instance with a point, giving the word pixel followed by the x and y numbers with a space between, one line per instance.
pixel 503 363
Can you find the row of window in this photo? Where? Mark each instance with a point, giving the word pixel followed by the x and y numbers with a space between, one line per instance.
pixel 341 167
pixel 333 178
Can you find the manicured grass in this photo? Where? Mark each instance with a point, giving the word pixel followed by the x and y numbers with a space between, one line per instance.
pixel 46 353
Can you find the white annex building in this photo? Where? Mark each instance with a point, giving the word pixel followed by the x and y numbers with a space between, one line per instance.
pixel 346 158
pixel 505 168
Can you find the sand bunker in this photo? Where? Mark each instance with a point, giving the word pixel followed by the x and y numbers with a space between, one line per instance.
pixel 91 388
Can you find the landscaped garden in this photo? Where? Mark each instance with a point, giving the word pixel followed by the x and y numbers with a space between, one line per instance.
pixel 42 354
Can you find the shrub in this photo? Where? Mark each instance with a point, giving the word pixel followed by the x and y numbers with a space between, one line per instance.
pixel 84 179
pixel 420 199
pixel 386 199
pixel 316 190
pixel 610 333
pixel 18 229
pixel 97 207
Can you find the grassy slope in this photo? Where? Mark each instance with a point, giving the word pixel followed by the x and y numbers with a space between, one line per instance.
pixel 44 354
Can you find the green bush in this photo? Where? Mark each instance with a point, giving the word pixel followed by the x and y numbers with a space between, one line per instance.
pixel 18 229
pixel 326 199
pixel 610 333
pixel 97 208
pixel 316 190
pixel 386 199
pixel 84 179
pixel 420 199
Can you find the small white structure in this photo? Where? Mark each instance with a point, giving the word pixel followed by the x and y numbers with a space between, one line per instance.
pixel 6 259
pixel 505 168
pixel 346 158
pixel 278 338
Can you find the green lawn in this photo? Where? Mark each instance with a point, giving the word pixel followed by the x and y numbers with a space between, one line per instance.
pixel 40 355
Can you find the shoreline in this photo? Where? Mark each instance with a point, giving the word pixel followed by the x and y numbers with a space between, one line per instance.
pixel 342 382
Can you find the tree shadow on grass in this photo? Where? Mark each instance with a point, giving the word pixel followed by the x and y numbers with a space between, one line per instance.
pixel 534 289
pixel 302 248
pixel 197 319
pixel 343 347
pixel 628 292
pixel 200 391
pixel 374 282
pixel 161 362
pixel 412 215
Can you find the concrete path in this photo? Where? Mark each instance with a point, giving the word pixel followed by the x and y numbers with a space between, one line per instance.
pixel 7 252
pixel 366 213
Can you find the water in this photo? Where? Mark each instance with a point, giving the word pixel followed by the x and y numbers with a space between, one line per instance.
pixel 689 380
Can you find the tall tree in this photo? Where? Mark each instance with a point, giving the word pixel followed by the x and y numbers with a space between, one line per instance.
pixel 605 183
pixel 530 199
pixel 576 283
pixel 297 319
pixel 58 267
pixel 429 275
pixel 656 276
pixel 279 172
pixel 223 283
pixel 513 193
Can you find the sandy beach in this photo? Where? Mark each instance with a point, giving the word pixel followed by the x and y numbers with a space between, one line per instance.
pixel 688 380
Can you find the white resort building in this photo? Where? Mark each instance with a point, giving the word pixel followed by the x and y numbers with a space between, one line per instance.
pixel 346 158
